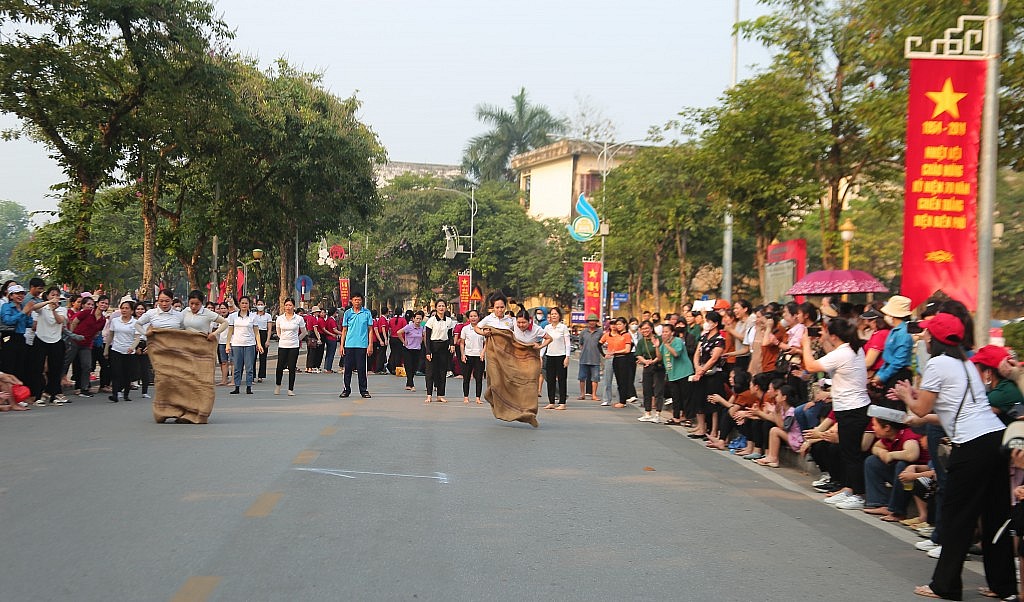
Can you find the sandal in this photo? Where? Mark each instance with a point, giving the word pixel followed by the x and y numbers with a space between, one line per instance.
pixel 582 397
pixel 765 462
pixel 479 402
pixel 442 400
pixel 892 518
pixel 984 591
pixel 926 591
pixel 550 406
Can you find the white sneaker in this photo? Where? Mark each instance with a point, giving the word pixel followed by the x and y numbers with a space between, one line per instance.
pixel 606 403
pixel 291 393
pixel 145 395
pixel 631 399
pixel 656 419
pixel 825 479
pixel 277 390
pixel 837 498
pixel 646 418
pixel 926 545
pixel 935 552
pixel 668 402
pixel 852 502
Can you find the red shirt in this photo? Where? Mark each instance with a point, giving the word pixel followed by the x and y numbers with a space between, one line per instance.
pixel 877 341
pixel 330 325
pixel 898 442
pixel 88 327
pixel 395 324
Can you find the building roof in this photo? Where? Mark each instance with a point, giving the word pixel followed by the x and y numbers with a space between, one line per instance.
pixel 566 147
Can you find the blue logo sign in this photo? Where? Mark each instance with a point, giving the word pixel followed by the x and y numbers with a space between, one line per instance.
pixel 584 227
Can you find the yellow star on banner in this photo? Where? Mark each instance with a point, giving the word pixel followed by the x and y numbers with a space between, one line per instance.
pixel 946 100
pixel 592 274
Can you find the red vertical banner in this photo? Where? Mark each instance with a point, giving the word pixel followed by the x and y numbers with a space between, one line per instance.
pixel 343 292
pixel 592 271
pixel 464 293
pixel 940 234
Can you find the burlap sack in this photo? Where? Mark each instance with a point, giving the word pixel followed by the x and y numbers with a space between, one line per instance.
pixel 184 362
pixel 512 371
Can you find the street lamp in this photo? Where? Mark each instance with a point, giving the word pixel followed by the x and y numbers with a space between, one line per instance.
pixel 453 234
pixel 257 256
pixel 846 232
pixel 603 158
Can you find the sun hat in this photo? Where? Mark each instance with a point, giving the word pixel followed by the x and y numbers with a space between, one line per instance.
pixel 898 306
pixel 15 288
pixel 1013 437
pixel 990 355
pixel 871 314
pixel 314 309
pixel 829 310
pixel 86 295
pixel 947 328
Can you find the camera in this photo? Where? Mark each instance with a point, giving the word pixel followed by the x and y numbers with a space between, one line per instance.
pixel 814 331
pixel 914 327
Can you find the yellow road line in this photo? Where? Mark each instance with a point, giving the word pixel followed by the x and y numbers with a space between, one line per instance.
pixel 264 504
pixel 196 589
pixel 306 457
pixel 327 432
pixel 346 414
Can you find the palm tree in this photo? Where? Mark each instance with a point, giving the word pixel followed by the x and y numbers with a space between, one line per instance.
pixel 523 128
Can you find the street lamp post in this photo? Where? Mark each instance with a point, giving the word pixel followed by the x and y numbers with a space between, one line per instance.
pixel 257 257
pixel 846 232
pixel 472 227
pixel 603 158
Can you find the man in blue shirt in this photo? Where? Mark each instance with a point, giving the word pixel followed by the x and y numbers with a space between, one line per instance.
pixel 15 315
pixel 899 345
pixel 356 344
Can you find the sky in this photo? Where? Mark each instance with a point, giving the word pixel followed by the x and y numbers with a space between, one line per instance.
pixel 421 67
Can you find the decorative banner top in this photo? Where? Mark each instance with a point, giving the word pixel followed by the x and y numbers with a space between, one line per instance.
pixel 968 41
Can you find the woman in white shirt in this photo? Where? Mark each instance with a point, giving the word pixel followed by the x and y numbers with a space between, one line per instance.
pixel 850 401
pixel 438 336
pixel 201 319
pixel 49 347
pixel 976 481
pixel 471 344
pixel 222 347
pixel 291 329
pixel 243 343
pixel 161 316
pixel 119 347
pixel 556 361
pixel 497 318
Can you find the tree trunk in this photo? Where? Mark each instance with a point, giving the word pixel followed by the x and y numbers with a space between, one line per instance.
pixel 83 229
pixel 762 241
pixel 230 280
pixel 149 219
pixel 282 277
pixel 682 239
pixel 656 276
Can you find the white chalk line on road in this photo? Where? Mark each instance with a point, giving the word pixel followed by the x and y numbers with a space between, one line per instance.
pixel 440 477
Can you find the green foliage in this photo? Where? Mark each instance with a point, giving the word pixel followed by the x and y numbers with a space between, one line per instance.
pixel 1013 333
pixel 15 227
pixel 523 128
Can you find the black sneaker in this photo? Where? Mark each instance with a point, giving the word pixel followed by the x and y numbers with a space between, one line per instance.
pixel 113 399
pixel 85 394
pixel 345 393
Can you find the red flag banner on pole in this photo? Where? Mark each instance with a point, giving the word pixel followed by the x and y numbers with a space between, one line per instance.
pixel 940 235
pixel 464 293
pixel 592 271
pixel 343 292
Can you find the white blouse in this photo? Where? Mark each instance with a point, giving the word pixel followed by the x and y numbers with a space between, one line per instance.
pixel 474 342
pixel 560 344
pixel 288 331
pixel 242 335
pixel 122 334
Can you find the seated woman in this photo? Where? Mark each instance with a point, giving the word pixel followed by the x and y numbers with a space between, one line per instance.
pixel 896 447
pixel 919 480
pixel 741 398
pixel 786 428
pixel 751 420
pixel 822 442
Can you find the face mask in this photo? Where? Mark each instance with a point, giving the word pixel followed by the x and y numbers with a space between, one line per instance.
pixel 633 328
pixel 261 307
pixel 705 327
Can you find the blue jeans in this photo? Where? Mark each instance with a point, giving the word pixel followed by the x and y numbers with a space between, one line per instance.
pixel 332 349
pixel 876 475
pixel 807 417
pixel 244 358
pixel 606 380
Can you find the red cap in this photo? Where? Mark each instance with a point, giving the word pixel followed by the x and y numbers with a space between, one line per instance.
pixel 20 393
pixel 990 355
pixel 722 304
pixel 947 328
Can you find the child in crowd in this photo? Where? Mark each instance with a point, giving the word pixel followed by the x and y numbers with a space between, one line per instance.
pixel 786 428
pixel 896 447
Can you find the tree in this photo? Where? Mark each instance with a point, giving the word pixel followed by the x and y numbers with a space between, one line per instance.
pixel 79 73
pixel 523 128
pixel 16 228
pixel 759 152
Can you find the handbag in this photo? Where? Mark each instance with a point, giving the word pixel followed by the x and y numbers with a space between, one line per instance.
pixel 784 365
pixel 945 446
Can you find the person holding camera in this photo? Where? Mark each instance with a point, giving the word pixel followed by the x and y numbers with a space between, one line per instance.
pixel 898 355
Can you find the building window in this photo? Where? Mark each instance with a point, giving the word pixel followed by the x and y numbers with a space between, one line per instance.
pixel 590 183
pixel 526 193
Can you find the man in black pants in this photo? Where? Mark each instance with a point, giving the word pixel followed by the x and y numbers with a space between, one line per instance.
pixel 356 344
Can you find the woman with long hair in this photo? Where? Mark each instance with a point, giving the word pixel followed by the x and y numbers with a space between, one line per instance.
pixel 291 328
pixel 471 347
pixel 648 357
pixel 845 365
pixel 265 323
pixel 243 343
pixel 87 323
pixel 556 359
pixel 223 359
pixel 708 376
pixel 119 348
pixel 976 483
pixel 440 341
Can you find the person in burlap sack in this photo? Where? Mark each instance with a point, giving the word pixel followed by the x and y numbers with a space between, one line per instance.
pixel 513 368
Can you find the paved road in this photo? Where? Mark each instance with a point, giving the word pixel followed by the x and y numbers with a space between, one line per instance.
pixel 318 498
